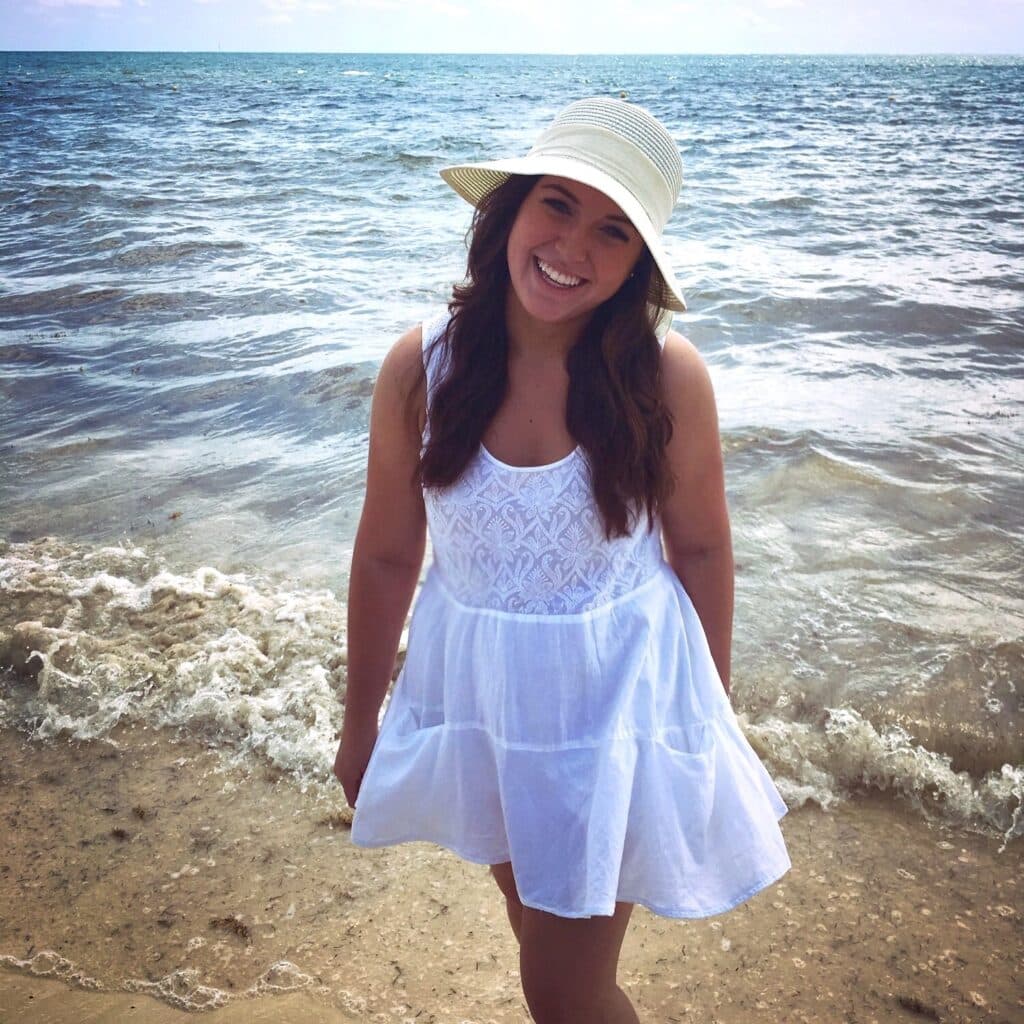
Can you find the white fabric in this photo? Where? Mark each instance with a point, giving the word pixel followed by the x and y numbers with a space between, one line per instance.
pixel 521 541
pixel 559 709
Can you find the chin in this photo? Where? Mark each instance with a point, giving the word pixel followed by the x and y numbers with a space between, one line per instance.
pixel 549 308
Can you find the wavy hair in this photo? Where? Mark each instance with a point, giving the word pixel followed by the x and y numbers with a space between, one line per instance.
pixel 614 411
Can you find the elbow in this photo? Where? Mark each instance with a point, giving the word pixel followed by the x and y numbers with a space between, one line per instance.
pixel 392 560
pixel 710 552
pixel 388 546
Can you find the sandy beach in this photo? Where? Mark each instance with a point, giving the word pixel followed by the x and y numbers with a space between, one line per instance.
pixel 141 881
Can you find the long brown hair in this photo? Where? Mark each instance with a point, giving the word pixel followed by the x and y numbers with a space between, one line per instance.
pixel 614 410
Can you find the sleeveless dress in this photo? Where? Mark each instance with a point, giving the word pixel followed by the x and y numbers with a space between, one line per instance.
pixel 559 708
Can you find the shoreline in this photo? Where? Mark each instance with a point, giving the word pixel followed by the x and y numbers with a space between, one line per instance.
pixel 147 861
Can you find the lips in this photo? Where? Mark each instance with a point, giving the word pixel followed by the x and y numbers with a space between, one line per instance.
pixel 555 277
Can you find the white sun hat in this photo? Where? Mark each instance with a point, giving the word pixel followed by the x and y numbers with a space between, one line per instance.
pixel 615 147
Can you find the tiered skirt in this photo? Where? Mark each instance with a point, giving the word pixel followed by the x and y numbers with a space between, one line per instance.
pixel 598 752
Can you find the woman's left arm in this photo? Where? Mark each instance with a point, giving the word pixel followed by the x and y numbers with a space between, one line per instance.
pixel 695 519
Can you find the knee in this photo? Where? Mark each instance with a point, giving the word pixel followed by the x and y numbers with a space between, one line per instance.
pixel 547 1002
pixel 554 998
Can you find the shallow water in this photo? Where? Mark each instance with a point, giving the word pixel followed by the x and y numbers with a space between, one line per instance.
pixel 203 259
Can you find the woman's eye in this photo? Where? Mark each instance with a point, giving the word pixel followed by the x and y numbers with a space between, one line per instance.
pixel 558 205
pixel 617 233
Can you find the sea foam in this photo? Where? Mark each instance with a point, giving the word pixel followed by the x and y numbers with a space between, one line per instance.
pixel 93 638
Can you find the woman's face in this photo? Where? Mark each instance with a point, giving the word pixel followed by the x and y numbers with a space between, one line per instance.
pixel 570 249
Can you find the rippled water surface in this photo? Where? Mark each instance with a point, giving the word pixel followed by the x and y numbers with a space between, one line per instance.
pixel 203 259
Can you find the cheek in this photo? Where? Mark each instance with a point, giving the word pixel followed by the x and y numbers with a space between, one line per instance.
pixel 517 246
pixel 629 260
pixel 617 267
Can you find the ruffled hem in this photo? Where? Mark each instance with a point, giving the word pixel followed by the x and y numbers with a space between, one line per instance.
pixel 661 910
pixel 597 753
pixel 685 834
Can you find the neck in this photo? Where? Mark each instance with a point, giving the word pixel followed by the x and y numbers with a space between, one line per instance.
pixel 530 337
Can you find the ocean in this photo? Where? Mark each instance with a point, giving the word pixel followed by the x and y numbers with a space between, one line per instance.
pixel 204 258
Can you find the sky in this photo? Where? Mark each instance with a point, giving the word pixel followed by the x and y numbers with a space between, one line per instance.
pixel 518 26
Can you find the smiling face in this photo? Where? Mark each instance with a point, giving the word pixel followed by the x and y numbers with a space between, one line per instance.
pixel 570 249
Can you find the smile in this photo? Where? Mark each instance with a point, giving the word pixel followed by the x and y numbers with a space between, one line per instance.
pixel 556 278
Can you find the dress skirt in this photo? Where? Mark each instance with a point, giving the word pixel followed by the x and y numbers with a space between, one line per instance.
pixel 597 752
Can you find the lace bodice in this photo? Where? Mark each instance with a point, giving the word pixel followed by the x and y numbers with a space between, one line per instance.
pixel 530 540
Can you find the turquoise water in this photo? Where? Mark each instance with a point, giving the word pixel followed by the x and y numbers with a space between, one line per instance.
pixel 203 259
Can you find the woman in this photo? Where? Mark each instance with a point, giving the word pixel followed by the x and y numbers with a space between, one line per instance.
pixel 562 714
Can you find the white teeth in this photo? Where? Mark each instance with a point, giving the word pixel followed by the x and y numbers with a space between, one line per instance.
pixel 564 280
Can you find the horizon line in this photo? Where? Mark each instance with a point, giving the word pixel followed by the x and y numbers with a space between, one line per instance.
pixel 542 53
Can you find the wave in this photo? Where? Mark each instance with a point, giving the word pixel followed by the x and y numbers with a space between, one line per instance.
pixel 181 988
pixel 851 754
pixel 48 964
pixel 96 637
pixel 232 122
pixel 176 253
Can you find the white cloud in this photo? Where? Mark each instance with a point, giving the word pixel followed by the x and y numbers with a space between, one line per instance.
pixel 439 7
pixel 446 9
pixel 283 10
pixel 374 5
pixel 79 3
pixel 749 16
pixel 779 5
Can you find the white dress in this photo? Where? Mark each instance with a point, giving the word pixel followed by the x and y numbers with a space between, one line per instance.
pixel 558 708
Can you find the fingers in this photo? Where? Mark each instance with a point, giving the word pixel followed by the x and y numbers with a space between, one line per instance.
pixel 352 792
pixel 351 781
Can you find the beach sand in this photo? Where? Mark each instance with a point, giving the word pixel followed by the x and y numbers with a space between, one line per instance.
pixel 149 866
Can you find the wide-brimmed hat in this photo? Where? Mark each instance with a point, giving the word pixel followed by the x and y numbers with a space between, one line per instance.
pixel 619 149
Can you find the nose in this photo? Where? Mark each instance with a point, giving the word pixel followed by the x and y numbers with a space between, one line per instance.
pixel 572 244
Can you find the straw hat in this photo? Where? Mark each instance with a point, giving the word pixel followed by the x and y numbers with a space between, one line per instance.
pixel 616 147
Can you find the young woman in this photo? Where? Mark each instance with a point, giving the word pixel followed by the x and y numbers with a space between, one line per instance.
pixel 562 714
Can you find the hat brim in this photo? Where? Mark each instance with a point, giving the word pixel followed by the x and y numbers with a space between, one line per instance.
pixel 474 181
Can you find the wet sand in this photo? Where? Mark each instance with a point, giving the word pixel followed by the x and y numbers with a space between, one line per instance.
pixel 139 880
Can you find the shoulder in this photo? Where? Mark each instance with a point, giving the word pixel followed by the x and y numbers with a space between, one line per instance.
pixel 685 379
pixel 407 352
pixel 398 394
pixel 402 369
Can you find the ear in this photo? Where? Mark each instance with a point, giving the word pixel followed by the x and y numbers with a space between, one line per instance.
pixel 645 257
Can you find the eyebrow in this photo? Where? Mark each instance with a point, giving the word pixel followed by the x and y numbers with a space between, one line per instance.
pixel 565 192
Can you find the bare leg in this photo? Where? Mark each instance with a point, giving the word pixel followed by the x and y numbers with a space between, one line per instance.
pixel 568 965
pixel 507 883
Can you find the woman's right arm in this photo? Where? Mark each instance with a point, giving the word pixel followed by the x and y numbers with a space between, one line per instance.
pixel 388 553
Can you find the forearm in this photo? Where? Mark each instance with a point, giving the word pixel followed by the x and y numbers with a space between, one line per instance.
pixel 707 575
pixel 380 593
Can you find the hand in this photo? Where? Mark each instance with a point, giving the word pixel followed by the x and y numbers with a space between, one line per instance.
pixel 357 742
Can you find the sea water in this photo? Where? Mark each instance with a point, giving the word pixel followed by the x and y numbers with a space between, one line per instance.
pixel 204 258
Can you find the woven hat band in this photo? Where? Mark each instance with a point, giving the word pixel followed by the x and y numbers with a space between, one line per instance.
pixel 616 157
